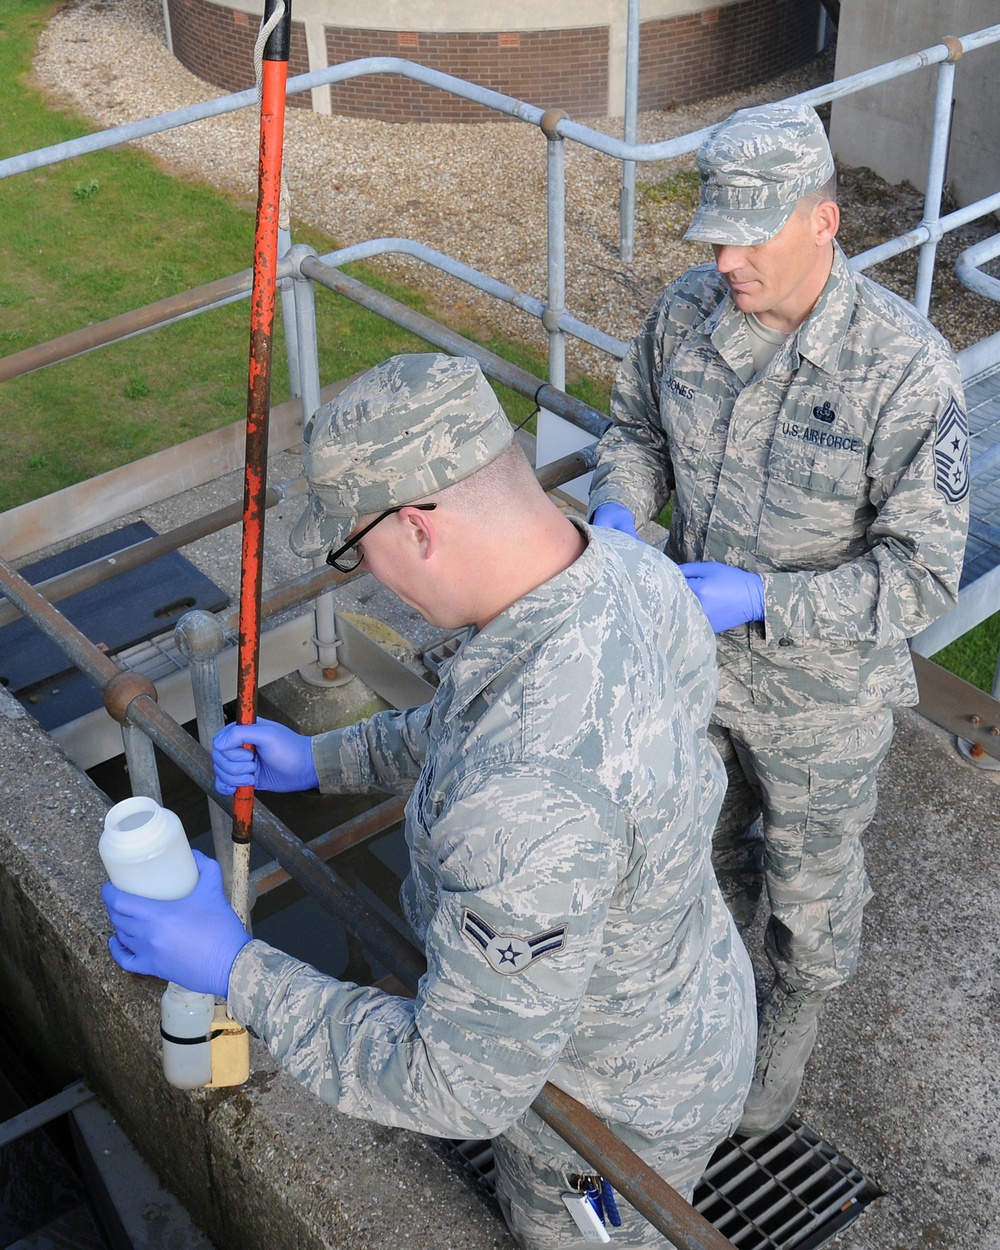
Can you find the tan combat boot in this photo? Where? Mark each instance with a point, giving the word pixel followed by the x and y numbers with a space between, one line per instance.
pixel 787 1034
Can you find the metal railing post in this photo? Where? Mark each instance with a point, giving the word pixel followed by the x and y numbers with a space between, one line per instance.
pixel 201 638
pixel 556 437
pixel 936 165
pixel 140 760
pixel 626 206
pixel 325 670
pixel 556 245
pixel 285 290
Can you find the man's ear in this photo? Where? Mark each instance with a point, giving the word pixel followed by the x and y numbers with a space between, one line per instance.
pixel 826 217
pixel 422 529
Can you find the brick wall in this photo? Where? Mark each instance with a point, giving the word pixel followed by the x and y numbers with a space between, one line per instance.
pixel 681 59
pixel 565 69
pixel 723 49
pixel 217 45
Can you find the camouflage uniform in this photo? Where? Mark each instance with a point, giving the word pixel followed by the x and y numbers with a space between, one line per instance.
pixel 562 795
pixel 840 475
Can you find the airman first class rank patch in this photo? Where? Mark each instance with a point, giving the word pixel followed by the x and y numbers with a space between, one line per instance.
pixel 504 952
pixel 951 454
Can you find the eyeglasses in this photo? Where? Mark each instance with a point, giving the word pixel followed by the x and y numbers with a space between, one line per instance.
pixel 336 558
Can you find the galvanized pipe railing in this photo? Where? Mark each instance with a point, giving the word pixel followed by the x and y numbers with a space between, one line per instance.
pixel 137 321
pixel 936 163
pixel 626 152
pixel 544 394
pixel 482 282
pixel 495 100
pixel 85 576
pixel 967 266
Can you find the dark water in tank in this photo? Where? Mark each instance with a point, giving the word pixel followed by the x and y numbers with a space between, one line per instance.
pixel 286 917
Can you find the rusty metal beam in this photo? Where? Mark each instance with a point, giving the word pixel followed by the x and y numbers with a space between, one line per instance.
pixel 959 707
pixel 354 832
pixel 136 321
pixel 95 572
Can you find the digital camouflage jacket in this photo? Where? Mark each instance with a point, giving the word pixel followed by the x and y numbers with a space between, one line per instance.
pixel 840 474
pixel 563 793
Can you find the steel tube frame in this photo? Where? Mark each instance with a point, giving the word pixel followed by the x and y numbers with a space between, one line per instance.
pixel 967 266
pixel 137 321
pixel 624 151
pixel 354 832
pixel 626 207
pixel 555 157
pixel 85 576
pixel 201 638
pixel 495 100
pixel 324 671
pixel 513 376
pixel 936 164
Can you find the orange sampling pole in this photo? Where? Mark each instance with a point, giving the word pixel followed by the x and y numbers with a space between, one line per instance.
pixel 265 264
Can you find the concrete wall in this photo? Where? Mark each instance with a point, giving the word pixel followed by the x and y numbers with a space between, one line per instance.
pixel 258 1166
pixel 573 58
pixel 888 127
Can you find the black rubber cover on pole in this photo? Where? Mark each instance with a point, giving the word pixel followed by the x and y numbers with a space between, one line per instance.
pixel 279 41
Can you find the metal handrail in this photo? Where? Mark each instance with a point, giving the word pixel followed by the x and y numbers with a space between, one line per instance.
pixel 967 265
pixel 85 576
pixel 557 126
pixel 509 105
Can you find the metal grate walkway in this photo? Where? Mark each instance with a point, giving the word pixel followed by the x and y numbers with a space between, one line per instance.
pixel 982 552
pixel 788 1190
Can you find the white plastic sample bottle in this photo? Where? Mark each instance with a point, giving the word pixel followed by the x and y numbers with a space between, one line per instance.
pixel 145 851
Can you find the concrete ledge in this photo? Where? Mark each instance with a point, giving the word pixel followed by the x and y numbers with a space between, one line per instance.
pixel 259 1166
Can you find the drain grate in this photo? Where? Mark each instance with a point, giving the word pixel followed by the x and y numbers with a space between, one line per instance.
pixel 788 1190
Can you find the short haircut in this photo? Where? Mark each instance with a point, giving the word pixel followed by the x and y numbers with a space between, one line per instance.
pixel 828 191
pixel 493 487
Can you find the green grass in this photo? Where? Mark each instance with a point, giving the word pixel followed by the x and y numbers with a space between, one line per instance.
pixel 682 188
pixel 88 239
pixel 91 238
pixel 974 655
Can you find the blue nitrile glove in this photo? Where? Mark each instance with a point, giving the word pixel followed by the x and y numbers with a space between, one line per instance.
pixel 614 516
pixel 729 596
pixel 282 760
pixel 192 941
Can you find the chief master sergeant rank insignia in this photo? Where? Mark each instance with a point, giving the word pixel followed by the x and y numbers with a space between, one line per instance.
pixel 951 454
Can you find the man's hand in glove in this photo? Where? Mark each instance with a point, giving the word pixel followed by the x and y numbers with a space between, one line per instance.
pixel 614 516
pixel 729 596
pixel 281 761
pixel 192 941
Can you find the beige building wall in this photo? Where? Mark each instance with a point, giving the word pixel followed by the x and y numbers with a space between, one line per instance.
pixel 888 127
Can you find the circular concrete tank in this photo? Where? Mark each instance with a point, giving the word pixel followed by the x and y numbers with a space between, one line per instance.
pixel 573 59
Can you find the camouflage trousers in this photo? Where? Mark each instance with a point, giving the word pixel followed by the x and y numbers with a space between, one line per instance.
pixel 529 1189
pixel 799 798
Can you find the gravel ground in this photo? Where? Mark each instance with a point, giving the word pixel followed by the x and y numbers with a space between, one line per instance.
pixel 475 192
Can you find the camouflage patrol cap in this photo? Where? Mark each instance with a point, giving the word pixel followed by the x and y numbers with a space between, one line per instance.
pixel 411 426
pixel 755 167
